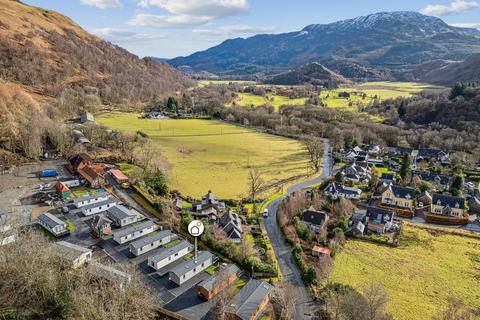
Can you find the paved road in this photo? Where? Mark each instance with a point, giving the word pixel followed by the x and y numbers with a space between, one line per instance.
pixel 305 306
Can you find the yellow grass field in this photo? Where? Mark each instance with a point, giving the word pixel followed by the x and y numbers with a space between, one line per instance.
pixel 249 99
pixel 419 275
pixel 211 155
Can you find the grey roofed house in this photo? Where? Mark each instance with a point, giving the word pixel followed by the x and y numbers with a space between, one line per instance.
pixel 187 266
pixel 427 153
pixel 379 215
pixel 403 192
pixel 90 197
pixel 313 216
pixel 208 283
pixel 387 177
pixel 448 201
pixel 247 302
pixel 232 225
pixel 131 229
pixel 167 252
pixel 153 237
pixel 433 177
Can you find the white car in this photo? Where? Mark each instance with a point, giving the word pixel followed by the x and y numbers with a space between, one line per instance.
pixel 265 213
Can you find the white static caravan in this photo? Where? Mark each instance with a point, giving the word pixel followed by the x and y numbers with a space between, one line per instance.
pixel 169 255
pixel 151 242
pixel 99 207
pixel 187 270
pixel 134 231
pixel 87 200
pixel 53 225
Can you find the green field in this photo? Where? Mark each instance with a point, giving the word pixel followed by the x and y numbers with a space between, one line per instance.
pixel 419 275
pixel 211 155
pixel 249 100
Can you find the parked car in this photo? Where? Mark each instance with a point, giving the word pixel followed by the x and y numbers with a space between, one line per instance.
pixel 265 213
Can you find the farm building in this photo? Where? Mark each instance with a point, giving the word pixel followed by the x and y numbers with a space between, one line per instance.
pixel 62 190
pixel 250 302
pixel 134 231
pixel 210 287
pixel 118 176
pixel 93 178
pixel 151 242
pixel 121 216
pixel 52 224
pixel 90 199
pixel 73 253
pixel 169 255
pixel 78 162
pixel 100 226
pixel 318 251
pixel 99 207
pixel 188 269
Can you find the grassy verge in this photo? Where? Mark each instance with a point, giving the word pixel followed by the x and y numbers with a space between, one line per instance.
pixel 70 226
pixel 142 202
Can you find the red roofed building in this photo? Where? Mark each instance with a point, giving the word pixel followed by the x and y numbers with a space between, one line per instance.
pixel 62 190
pixel 318 251
pixel 119 176
pixel 78 162
pixel 92 176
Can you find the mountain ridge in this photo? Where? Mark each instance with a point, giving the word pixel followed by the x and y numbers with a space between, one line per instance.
pixel 378 40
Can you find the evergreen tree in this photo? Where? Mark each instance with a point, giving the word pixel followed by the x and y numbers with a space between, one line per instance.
pixel 457 91
pixel 405 167
pixel 172 104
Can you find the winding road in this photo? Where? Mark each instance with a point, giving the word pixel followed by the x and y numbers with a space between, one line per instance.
pixel 305 306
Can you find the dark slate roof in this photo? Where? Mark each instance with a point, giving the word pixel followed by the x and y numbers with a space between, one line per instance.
pixel 403 192
pixel 337 187
pixel 433 177
pixel 167 252
pixel 50 220
pixel 249 299
pixel 151 238
pixel 379 215
pixel 387 176
pixel 450 201
pixel 429 153
pixel 313 216
pixel 231 219
pixel 403 150
pixel 119 212
pixel 208 283
pixel 186 266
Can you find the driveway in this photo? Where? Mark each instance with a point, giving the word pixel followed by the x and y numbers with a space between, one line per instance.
pixel 305 307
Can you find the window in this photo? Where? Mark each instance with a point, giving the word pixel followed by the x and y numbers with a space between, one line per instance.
pixel 176 254
pixel 184 276
pixel 194 269
pixel 169 258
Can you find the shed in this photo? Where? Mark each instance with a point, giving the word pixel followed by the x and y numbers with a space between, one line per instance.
pixel 250 302
pixel 214 284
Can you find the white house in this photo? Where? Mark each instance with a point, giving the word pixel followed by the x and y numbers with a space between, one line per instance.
pixel 151 242
pixel 188 269
pixel 169 255
pixel 99 207
pixel 52 224
pixel 91 199
pixel 121 216
pixel 71 183
pixel 134 231
pixel 77 255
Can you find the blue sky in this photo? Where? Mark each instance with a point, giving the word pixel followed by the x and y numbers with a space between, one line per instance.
pixel 169 28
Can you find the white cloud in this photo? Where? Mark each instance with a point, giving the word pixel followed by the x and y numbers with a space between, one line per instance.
pixel 235 29
pixel 457 6
pixel 103 4
pixel 165 21
pixel 473 25
pixel 125 36
pixel 184 13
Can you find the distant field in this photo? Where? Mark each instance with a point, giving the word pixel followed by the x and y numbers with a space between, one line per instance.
pixel 419 275
pixel 220 82
pixel 210 155
pixel 248 99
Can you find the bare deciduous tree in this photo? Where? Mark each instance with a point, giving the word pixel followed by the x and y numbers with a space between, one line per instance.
pixel 255 185
pixel 314 147
pixel 284 299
